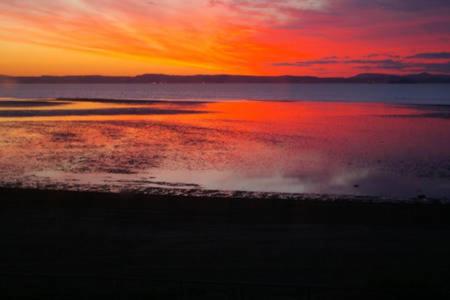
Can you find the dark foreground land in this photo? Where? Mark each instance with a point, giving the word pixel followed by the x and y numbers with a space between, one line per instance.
pixel 69 245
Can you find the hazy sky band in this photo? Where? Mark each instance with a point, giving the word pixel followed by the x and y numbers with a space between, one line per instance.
pixel 317 37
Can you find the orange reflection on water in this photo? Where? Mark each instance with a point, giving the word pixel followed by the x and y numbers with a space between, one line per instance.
pixel 308 147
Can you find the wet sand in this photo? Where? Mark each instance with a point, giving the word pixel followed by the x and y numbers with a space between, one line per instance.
pixel 60 244
pixel 253 146
pixel 94 112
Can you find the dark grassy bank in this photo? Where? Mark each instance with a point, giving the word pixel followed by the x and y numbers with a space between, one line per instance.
pixel 93 245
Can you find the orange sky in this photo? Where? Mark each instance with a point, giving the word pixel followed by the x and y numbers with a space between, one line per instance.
pixel 303 37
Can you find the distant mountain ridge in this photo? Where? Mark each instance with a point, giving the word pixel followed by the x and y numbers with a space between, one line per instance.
pixel 162 78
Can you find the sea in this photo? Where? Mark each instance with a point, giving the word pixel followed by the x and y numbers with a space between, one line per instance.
pixel 383 141
pixel 387 93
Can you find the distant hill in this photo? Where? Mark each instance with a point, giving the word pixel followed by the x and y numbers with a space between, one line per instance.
pixel 161 78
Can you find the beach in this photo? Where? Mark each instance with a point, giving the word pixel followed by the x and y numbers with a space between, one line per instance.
pixel 120 198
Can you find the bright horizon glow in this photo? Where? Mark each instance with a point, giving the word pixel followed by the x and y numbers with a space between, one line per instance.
pixel 261 37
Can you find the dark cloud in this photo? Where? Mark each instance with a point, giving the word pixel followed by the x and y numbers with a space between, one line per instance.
pixel 382 63
pixel 390 55
pixel 401 64
pixel 333 6
pixel 398 5
pixel 437 67
pixel 437 27
pixel 432 55
pixel 309 63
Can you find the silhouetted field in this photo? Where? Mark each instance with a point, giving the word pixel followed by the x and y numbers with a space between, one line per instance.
pixel 85 245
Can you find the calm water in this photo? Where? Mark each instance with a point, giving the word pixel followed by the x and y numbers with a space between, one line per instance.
pixel 294 147
pixel 390 93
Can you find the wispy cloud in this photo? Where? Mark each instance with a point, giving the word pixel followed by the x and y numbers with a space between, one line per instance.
pixel 232 36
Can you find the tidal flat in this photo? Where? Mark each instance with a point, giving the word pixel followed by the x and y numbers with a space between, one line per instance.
pixel 223 200
pixel 389 151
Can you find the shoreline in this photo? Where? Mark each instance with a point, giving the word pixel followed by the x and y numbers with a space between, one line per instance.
pixel 240 207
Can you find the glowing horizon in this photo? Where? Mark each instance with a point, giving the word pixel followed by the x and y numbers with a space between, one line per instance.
pixel 261 37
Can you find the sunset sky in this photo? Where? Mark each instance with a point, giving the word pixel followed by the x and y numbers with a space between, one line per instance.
pixel 267 37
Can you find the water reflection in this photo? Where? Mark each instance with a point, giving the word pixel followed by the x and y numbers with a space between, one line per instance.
pixel 294 147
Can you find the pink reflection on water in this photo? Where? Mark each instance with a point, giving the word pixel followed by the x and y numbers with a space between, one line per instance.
pixel 305 147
